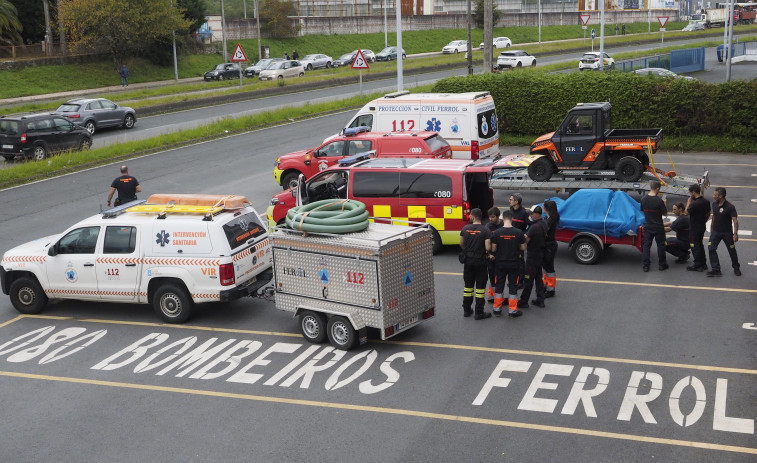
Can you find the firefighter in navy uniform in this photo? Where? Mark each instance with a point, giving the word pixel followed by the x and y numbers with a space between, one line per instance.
pixel 654 208
pixel 724 227
pixel 494 223
pixel 679 246
pixel 507 245
pixel 698 210
pixel 550 248
pixel 473 238
pixel 127 187
pixel 535 245
pixel 520 221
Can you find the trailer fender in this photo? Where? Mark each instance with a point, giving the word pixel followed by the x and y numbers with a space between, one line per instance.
pixel 356 320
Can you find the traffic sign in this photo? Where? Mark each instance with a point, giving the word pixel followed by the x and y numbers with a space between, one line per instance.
pixel 359 62
pixel 238 56
pixel 593 33
pixel 585 18
pixel 663 20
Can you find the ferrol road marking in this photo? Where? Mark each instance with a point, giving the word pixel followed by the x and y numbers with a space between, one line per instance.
pixel 749 326
pixel 151 353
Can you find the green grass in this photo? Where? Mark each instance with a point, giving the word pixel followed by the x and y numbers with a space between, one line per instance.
pixel 50 79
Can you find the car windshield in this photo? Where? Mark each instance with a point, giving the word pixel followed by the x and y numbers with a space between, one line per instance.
pixel 310 57
pixel 220 67
pixel 276 65
pixel 346 56
pixel 589 56
pixel 387 50
pixel 67 108
pixel 507 54
pixel 263 63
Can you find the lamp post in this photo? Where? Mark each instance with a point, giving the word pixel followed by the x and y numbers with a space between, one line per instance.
pixel 223 33
pixel 175 63
pixel 398 6
pixel 386 41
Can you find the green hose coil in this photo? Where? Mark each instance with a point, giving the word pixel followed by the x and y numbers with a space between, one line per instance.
pixel 329 216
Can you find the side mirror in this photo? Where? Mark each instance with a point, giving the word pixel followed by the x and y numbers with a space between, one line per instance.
pixel 52 251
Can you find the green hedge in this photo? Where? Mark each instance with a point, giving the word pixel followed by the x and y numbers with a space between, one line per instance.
pixel 532 102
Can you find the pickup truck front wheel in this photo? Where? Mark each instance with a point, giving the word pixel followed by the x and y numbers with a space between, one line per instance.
pixel 541 169
pixel 629 169
pixel 172 303
pixel 27 296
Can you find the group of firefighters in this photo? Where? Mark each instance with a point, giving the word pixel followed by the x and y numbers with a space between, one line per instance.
pixel 495 252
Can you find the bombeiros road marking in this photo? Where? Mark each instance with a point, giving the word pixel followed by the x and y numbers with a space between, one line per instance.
pixel 499 350
pixel 390 411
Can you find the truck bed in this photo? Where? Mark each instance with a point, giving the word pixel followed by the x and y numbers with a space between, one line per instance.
pixel 654 134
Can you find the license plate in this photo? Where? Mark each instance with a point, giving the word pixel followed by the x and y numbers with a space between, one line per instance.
pixel 7 147
pixel 404 324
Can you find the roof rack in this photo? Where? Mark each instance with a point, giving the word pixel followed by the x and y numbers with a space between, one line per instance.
pixel 163 204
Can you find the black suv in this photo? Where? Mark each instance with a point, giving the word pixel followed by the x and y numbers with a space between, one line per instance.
pixel 39 135
pixel 224 71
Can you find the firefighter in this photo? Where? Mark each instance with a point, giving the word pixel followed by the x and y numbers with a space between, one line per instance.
pixel 494 223
pixel 698 210
pixel 520 221
pixel 654 208
pixel 724 227
pixel 506 246
pixel 473 238
pixel 678 246
pixel 535 244
pixel 550 249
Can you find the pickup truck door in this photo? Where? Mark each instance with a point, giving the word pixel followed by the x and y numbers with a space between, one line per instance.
pixel 575 138
pixel 118 265
pixel 71 270
pixel 327 155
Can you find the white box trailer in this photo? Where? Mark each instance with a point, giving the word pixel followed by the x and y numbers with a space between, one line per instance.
pixel 340 285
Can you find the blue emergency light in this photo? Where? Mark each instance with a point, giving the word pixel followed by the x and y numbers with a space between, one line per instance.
pixel 114 211
pixel 352 131
pixel 355 158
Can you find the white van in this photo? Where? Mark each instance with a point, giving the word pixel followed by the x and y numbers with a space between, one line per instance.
pixel 468 121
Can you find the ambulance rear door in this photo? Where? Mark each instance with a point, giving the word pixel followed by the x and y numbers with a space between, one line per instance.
pixel 487 128
pixel 250 248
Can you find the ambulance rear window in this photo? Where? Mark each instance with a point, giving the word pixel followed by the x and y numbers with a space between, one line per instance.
pixel 241 229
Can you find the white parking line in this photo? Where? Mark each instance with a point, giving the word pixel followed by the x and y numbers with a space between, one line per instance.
pixel 752 263
pixel 749 326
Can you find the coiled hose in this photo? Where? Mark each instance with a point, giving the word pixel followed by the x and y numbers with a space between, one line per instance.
pixel 329 216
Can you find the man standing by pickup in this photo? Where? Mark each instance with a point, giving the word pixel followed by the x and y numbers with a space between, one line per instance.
pixel 535 245
pixel 654 230
pixel 473 238
pixel 698 210
pixel 127 187
pixel 724 227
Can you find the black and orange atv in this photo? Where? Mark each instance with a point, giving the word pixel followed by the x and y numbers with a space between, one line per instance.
pixel 585 141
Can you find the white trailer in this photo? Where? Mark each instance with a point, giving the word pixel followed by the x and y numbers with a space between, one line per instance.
pixel 340 285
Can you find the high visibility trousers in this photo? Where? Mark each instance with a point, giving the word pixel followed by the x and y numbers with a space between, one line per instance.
pixel 509 274
pixel 474 276
pixel 550 280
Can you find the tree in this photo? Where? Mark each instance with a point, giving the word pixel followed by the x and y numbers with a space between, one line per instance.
pixel 124 28
pixel 10 26
pixel 194 11
pixel 478 14
pixel 274 18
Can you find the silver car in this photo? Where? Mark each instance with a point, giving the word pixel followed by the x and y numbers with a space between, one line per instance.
pixel 252 71
pixel 97 113
pixel 278 70
pixel 316 61
pixel 661 72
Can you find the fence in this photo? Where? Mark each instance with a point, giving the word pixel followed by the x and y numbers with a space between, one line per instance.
pixel 679 61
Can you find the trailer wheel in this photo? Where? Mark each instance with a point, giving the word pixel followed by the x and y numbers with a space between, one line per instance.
pixel 541 169
pixel 341 334
pixel 586 251
pixel 27 296
pixel 629 169
pixel 313 326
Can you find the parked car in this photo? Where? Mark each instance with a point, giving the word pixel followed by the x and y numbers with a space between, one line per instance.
pixel 255 69
pixel 97 113
pixel 514 59
pixel 590 60
pixel 316 61
pixel 369 55
pixel 693 27
pixel 661 72
pixel 455 46
pixel 499 42
pixel 345 60
pixel 223 71
pixel 282 69
pixel 37 136
pixel 389 54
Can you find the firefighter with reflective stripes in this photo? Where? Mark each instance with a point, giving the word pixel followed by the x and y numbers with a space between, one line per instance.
pixel 520 221
pixel 495 222
pixel 507 245
pixel 550 250
pixel 473 239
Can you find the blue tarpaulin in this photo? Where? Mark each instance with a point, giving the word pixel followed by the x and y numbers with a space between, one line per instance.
pixel 604 212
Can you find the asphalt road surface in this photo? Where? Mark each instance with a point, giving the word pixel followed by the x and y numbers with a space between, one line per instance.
pixel 621 365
